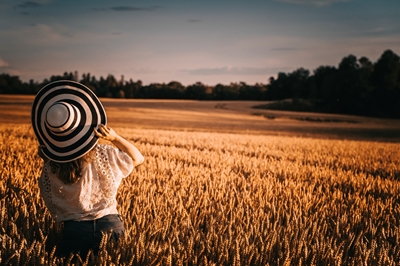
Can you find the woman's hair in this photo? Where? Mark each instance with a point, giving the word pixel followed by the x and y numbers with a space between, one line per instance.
pixel 70 172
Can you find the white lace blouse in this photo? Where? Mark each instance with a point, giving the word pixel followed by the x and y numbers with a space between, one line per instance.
pixel 94 195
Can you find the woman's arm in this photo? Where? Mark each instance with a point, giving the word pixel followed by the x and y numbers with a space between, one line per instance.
pixel 109 134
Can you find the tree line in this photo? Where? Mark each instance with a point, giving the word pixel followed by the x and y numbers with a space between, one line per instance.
pixel 356 86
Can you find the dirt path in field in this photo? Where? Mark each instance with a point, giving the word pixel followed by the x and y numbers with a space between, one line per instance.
pixel 222 116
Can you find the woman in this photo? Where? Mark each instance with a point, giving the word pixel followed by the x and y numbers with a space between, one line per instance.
pixel 80 177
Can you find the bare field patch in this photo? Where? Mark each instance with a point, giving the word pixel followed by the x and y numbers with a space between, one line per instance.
pixel 222 116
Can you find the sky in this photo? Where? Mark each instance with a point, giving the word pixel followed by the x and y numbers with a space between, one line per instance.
pixel 208 41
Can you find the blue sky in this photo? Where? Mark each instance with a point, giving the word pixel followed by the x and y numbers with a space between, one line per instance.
pixel 208 41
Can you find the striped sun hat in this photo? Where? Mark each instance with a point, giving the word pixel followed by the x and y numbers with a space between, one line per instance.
pixel 64 114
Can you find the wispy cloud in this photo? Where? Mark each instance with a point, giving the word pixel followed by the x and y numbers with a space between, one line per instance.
pixel 134 8
pixel 33 4
pixel 312 2
pixel 228 70
pixel 382 31
pixel 29 4
pixel 40 35
pixel 194 20
pixel 3 63
pixel 284 49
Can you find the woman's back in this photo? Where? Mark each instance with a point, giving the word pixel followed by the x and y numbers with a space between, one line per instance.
pixel 94 194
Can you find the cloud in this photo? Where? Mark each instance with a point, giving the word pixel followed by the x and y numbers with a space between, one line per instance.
pixel 392 30
pixel 3 63
pixel 312 2
pixel 29 4
pixel 194 20
pixel 228 70
pixel 134 9
pixel 284 49
pixel 33 4
pixel 34 36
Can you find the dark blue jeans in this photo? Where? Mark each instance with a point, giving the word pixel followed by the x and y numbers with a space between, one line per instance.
pixel 81 236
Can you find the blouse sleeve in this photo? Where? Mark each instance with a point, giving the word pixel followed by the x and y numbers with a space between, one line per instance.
pixel 120 162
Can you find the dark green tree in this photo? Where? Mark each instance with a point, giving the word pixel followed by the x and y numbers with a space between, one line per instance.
pixel 222 92
pixel 249 92
pixel 299 83
pixel 386 82
pixel 131 89
pixel 278 88
pixel 10 84
pixel 197 91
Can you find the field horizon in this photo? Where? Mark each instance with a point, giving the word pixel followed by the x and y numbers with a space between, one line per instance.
pixel 222 116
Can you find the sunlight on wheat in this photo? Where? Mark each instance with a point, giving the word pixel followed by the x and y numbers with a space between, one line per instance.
pixel 222 199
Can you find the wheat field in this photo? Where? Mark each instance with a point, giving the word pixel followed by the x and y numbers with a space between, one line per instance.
pixel 222 199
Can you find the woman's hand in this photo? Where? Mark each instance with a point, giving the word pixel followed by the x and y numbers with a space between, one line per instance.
pixel 109 134
pixel 106 133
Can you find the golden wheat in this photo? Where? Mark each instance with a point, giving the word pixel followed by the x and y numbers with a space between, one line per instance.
pixel 222 199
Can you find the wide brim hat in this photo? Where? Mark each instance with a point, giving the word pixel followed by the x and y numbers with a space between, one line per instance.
pixel 64 116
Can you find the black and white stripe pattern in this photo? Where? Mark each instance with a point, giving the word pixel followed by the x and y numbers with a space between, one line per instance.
pixel 64 114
